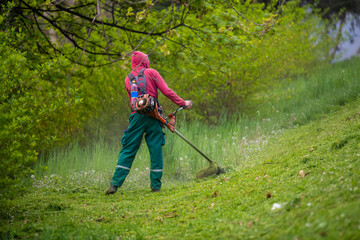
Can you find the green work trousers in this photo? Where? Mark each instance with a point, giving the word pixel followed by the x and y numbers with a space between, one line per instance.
pixel 131 140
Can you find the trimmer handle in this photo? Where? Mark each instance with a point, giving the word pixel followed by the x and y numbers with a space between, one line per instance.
pixel 169 121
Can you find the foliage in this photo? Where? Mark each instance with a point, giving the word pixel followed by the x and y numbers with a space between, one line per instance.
pixel 227 50
pixel 34 113
pixel 236 57
pixel 302 184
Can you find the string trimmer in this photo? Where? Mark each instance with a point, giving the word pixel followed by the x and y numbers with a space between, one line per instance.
pixel 169 122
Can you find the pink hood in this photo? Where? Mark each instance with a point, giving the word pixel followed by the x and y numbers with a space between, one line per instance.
pixel 139 60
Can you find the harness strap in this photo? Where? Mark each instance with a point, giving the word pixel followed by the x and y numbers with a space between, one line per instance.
pixel 141 81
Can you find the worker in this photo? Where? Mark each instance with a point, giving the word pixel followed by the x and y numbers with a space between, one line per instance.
pixel 140 124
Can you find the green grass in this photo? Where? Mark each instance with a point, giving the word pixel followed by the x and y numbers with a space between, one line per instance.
pixel 236 205
pixel 314 127
pixel 308 97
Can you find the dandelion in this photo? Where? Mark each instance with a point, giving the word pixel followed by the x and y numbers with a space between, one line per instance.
pixel 32 176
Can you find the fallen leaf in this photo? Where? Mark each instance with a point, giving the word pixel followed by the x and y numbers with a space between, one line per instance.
pixel 311 149
pixel 249 224
pixel 215 194
pixel 302 173
pixel 268 195
pixel 266 176
pixel 170 215
pixel 212 205
pixel 227 178
pixel 100 219
pixel 237 222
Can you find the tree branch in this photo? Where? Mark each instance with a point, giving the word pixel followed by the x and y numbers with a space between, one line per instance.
pixel 90 29
pixel 168 29
pixel 116 25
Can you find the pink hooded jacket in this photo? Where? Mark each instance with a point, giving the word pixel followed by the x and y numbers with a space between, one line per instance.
pixel 154 81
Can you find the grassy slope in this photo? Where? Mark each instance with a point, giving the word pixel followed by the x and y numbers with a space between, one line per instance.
pixel 236 205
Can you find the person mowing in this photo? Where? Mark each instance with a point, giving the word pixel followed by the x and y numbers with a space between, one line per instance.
pixel 148 81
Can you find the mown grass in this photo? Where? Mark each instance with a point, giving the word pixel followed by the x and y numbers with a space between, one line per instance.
pixel 67 201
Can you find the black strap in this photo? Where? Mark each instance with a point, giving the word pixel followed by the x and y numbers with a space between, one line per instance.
pixel 141 81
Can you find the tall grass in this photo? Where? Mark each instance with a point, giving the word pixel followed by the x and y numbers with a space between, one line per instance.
pixel 308 97
pixel 231 143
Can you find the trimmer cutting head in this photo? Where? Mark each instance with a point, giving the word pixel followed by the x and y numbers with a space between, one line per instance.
pixel 213 169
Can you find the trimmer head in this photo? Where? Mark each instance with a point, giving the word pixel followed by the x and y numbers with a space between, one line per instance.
pixel 213 169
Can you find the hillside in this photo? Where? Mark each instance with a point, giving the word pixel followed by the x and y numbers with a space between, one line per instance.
pixel 303 184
